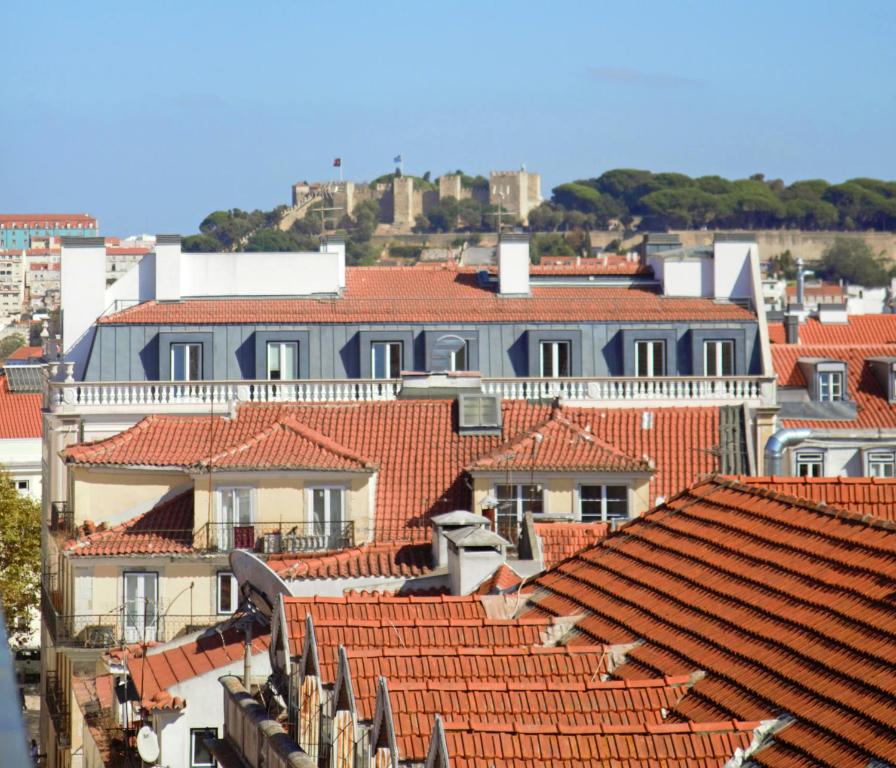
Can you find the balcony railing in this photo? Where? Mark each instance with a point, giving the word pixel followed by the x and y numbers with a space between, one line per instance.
pixel 57 708
pixel 101 631
pixel 162 396
pixel 624 390
pixel 62 518
pixel 263 537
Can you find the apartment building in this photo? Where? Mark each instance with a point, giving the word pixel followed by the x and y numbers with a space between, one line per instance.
pixel 18 229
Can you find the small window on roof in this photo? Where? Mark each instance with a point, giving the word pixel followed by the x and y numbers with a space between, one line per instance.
pixel 479 411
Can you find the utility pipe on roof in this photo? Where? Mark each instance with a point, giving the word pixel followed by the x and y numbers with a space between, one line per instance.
pixel 778 443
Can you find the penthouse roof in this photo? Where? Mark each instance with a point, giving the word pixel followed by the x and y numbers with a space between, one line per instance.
pixel 435 294
pixel 421 457
pixel 786 605
pixel 873 408
pixel 859 329
pixel 874 496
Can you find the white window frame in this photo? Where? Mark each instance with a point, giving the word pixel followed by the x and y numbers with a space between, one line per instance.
pixel 808 458
pixel 146 622
pixel 388 344
pixel 518 513
pixel 830 386
pixel 328 509
pixel 554 359
pixel 281 356
pixel 604 518
pixel 876 460
pixel 234 593
pixel 23 486
pixel 652 346
pixel 194 732
pixel 452 358
pixel 225 527
pixel 186 346
pixel 718 345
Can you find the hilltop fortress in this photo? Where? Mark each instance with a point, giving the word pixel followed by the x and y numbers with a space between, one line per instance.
pixel 403 198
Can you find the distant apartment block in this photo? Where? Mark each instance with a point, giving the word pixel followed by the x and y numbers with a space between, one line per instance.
pixel 18 229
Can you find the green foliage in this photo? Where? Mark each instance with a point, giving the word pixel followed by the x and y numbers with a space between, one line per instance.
pixel 678 201
pixel 271 240
pixel 19 556
pixel 9 344
pixel 782 265
pixel 550 245
pixel 401 251
pixel 851 259
pixel 201 244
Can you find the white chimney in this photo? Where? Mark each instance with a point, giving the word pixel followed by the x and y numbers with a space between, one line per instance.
pixel 474 554
pixel 733 257
pixel 332 244
pixel 168 268
pixel 513 264
pixel 82 294
pixel 445 524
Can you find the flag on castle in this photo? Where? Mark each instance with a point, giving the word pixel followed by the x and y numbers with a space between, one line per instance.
pixel 396 159
pixel 337 162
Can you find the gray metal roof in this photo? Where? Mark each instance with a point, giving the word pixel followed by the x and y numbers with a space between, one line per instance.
pixel 476 537
pixel 460 517
pixel 25 378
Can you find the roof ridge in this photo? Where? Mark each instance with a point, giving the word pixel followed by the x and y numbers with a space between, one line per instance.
pixel 599 728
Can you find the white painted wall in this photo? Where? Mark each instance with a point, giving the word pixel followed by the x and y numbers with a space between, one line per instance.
pixel 732 270
pixel 21 457
pixel 83 298
pixel 168 271
pixel 205 708
pixel 137 284
pixel 337 247
pixel 513 267
pixel 684 277
pixel 259 274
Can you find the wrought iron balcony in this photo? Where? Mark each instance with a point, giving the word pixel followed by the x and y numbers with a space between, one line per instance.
pixel 57 708
pixel 62 518
pixel 108 630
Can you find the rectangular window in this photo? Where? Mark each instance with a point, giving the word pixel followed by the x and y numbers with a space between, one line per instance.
pixel 810 464
pixel 385 359
pixel 513 502
pixel 830 386
pixel 881 464
pixel 600 503
pixel 235 524
pixel 141 606
pixel 555 359
pixel 650 358
pixel 200 754
pixel 718 358
pixel 457 359
pixel 283 359
pixel 186 362
pixel 227 592
pixel 327 517
pixel 22 485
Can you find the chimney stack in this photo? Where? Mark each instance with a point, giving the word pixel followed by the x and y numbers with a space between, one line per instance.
pixel 446 523
pixel 800 283
pixel 331 244
pixel 167 250
pixel 513 264
pixel 474 554
pixel 792 325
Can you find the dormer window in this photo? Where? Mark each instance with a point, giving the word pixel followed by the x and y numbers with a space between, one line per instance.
pixel 830 386
pixel 881 464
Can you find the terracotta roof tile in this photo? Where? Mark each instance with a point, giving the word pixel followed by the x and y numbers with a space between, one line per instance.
pixel 561 540
pixel 859 330
pixel 420 454
pixel 501 580
pixel 873 409
pixel 785 605
pixel 20 413
pixel 434 294
pixel 26 353
pixel 165 529
pixel 368 560
pixel 874 496
pixel 558 444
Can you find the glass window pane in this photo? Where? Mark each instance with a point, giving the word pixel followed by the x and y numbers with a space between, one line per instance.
pixel 563 359
pixel 532 499
pixel 225 593
pixel 641 352
pixel 201 756
pixel 195 362
pixel 709 359
pixel 394 360
pixel 378 360
pixel 319 505
pixel 547 359
pixel 617 502
pixel 727 358
pixel 659 358
pixel 459 359
pixel 244 506
pixel 273 360
pixel 288 366
pixel 335 505
pixel 178 362
pixel 591 502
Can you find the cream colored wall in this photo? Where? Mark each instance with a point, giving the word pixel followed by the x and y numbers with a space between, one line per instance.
pixel 284 499
pixel 103 495
pixel 560 491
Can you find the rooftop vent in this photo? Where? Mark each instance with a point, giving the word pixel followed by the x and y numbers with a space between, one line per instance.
pixel 479 413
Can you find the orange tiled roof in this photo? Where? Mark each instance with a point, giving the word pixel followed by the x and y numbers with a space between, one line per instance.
pixel 507 665
pixel 434 294
pixel 472 744
pixel 874 496
pixel 415 704
pixel 420 454
pixel 825 289
pixel 560 540
pixel 503 579
pixel 26 353
pixel 785 605
pixel 165 529
pixel 19 413
pixel 41 220
pixel 156 669
pixel 558 444
pixel 386 559
pixel 861 329
pixel 873 410
pixel 383 633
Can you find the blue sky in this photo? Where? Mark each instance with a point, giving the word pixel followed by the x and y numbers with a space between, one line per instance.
pixel 150 115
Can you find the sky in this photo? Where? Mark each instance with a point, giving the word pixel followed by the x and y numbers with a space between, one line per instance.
pixel 151 115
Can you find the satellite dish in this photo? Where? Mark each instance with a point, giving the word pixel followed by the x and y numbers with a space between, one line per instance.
pixel 147 744
pixel 257 583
